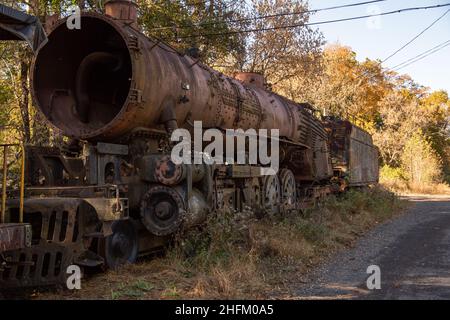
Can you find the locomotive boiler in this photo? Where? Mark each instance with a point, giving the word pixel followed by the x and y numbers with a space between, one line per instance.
pixel 113 193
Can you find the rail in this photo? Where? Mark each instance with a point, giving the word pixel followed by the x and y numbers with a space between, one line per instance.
pixel 4 180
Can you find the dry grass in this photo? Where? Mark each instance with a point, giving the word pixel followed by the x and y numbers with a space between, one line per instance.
pixel 404 187
pixel 396 180
pixel 236 256
pixel 438 188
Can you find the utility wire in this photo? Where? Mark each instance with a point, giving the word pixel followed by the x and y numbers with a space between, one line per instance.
pixel 417 36
pixel 421 56
pixel 275 15
pixel 409 61
pixel 417 60
pixel 423 53
pixel 315 23
pixel 400 65
pixel 272 15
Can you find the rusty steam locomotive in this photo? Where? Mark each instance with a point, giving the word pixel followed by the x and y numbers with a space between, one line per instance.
pixel 114 193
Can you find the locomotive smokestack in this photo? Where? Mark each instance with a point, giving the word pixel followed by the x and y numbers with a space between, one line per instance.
pixel 123 10
pixel 251 79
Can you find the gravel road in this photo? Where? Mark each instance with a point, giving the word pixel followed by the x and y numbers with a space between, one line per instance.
pixel 412 251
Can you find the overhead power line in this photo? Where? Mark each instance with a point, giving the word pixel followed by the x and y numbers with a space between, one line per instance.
pixel 408 62
pixel 416 37
pixel 315 23
pixel 283 14
pixel 421 56
pixel 429 54
pixel 203 24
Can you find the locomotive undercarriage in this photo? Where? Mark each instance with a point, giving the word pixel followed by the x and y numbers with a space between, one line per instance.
pixel 125 201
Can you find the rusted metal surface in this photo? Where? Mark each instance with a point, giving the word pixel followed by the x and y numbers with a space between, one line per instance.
pixel 353 152
pixel 162 210
pixel 46 166
pixel 56 241
pixel 142 82
pixel 63 230
pixel 288 190
pixel 17 25
pixel 271 195
pixel 169 173
pixel 124 10
pixel 312 163
pixel 363 158
pixel 251 79
pixel 14 236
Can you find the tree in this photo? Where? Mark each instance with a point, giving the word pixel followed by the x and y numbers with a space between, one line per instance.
pixel 285 56
pixel 348 88
pixel 16 61
pixel 193 24
pixel 420 161
pixel 437 106
pixel 399 117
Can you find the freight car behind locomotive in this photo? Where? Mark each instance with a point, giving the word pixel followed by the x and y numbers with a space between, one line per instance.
pixel 354 156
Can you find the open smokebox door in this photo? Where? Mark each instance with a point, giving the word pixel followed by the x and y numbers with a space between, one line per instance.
pixel 16 25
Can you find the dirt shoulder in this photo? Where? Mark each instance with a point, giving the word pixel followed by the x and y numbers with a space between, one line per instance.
pixel 412 252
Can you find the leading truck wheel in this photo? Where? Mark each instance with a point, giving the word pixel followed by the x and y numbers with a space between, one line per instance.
pixel 271 195
pixel 122 246
pixel 288 190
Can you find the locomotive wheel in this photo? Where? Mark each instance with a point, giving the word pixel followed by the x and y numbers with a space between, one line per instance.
pixel 288 190
pixel 122 246
pixel 254 200
pixel 271 195
pixel 162 210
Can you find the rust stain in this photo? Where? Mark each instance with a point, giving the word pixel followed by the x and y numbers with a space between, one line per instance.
pixel 14 236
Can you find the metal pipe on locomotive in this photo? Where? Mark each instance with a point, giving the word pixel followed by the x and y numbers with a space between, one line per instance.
pixel 114 193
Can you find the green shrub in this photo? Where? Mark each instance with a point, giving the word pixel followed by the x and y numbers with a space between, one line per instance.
pixel 390 173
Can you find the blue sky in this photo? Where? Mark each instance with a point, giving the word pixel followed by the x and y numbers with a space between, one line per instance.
pixel 390 33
